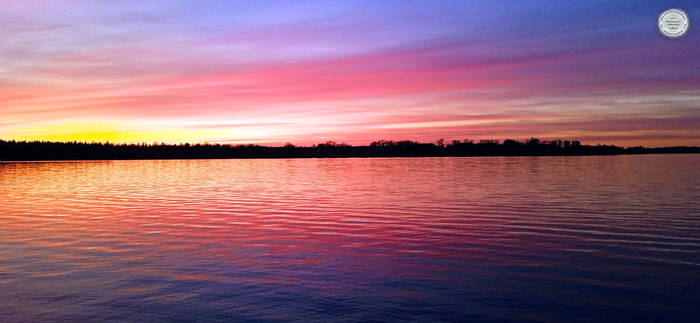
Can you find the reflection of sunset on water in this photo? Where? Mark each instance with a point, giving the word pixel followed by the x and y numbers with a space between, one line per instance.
pixel 385 235
pixel 349 161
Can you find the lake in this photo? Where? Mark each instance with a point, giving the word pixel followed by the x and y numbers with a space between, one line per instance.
pixel 385 239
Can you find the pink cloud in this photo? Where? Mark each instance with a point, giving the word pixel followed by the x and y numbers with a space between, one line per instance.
pixel 390 93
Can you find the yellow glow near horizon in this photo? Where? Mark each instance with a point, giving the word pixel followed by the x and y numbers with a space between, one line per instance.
pixel 110 132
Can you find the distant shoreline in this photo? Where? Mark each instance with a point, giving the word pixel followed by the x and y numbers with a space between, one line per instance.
pixel 59 151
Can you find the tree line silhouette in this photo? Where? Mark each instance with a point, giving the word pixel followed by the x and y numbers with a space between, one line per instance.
pixel 42 150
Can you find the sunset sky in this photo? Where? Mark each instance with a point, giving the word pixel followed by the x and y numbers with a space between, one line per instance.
pixel 271 72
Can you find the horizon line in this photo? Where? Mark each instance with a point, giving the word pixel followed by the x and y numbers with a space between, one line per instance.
pixel 440 142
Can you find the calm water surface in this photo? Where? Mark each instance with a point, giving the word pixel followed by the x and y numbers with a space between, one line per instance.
pixel 421 239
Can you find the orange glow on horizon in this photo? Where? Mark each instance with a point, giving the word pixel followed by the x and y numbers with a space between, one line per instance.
pixel 113 132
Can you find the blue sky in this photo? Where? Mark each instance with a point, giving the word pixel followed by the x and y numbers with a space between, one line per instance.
pixel 354 71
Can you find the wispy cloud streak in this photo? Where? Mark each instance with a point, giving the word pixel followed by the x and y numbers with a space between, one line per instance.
pixel 357 71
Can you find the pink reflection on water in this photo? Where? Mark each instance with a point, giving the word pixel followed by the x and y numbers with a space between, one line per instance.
pixel 405 230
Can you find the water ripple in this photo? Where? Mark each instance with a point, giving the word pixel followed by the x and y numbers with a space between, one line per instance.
pixel 420 239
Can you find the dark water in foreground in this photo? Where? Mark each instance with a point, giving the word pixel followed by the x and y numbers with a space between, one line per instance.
pixel 427 239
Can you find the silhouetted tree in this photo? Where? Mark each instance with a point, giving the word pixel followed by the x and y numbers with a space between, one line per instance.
pixel 41 150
